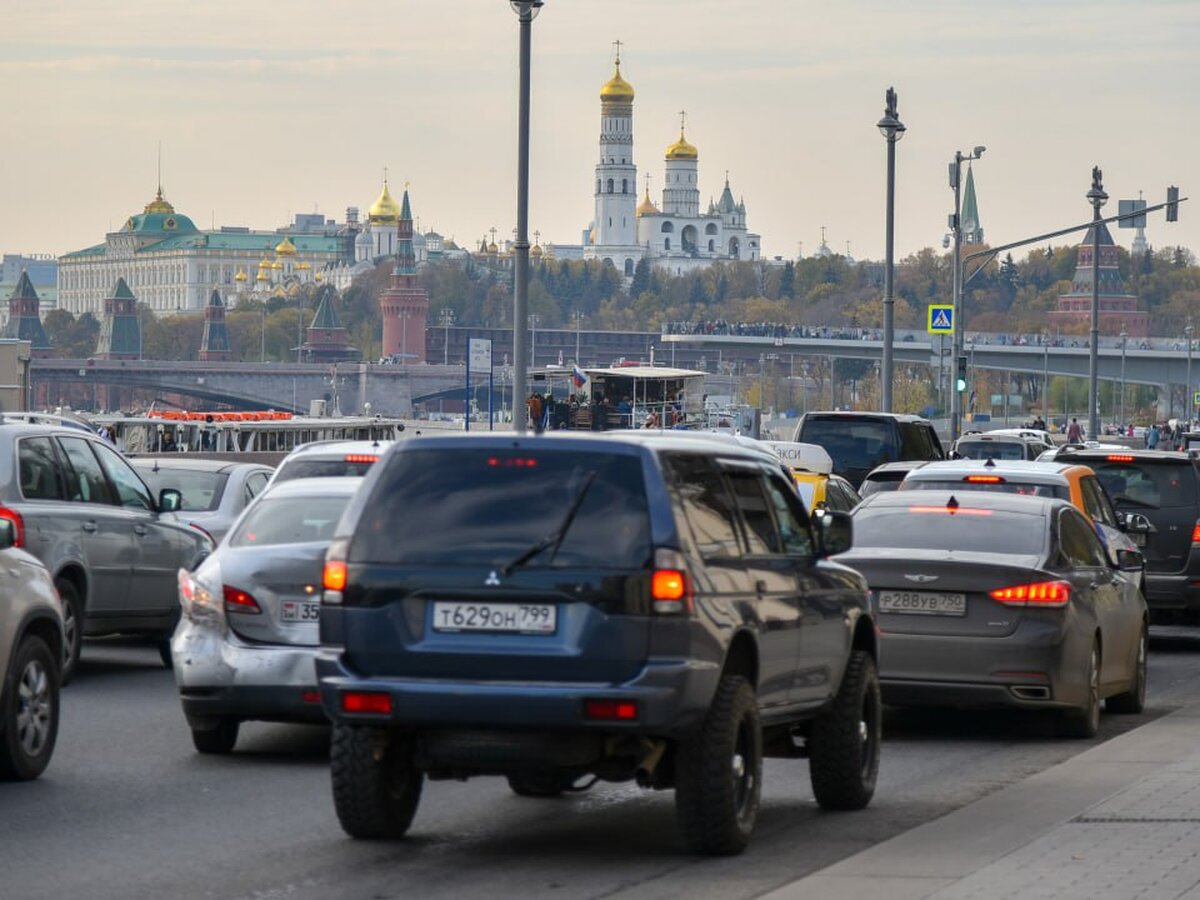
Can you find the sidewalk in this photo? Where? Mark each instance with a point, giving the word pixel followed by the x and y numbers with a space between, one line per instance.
pixel 1121 820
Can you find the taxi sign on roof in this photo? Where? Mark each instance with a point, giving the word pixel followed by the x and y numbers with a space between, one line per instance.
pixel 940 319
pixel 810 457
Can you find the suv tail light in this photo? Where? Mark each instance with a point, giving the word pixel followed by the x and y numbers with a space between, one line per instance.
pixel 335 575
pixel 1196 533
pixel 18 525
pixel 984 479
pixel 238 601
pixel 1120 457
pixel 1040 594
pixel 670 585
pixel 368 458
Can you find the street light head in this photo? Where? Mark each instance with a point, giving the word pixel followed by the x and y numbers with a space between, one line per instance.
pixel 520 7
pixel 891 128
pixel 979 148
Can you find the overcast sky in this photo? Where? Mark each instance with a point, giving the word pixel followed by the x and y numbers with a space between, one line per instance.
pixel 266 109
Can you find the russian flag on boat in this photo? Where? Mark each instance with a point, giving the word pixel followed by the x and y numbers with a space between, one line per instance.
pixel 578 376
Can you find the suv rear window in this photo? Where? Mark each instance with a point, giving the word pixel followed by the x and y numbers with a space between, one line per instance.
pixel 487 507
pixel 1062 492
pixel 854 443
pixel 1154 485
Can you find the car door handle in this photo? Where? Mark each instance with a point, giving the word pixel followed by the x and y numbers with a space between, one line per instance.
pixel 89 527
pixel 139 529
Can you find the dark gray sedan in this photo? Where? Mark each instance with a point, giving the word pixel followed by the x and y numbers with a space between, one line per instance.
pixel 1000 600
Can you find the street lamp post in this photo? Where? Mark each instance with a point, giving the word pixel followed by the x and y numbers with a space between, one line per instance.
pixel 1097 198
pixel 1124 340
pixel 1189 399
pixel 892 130
pixel 447 316
pixel 533 324
pixel 526 11
pixel 956 399
pixel 578 322
pixel 262 346
pixel 1046 375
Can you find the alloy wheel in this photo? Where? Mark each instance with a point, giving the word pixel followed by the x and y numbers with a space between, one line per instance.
pixel 34 708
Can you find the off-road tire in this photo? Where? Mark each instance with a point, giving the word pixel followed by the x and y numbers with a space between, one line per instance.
pixel 217 740
pixel 538 784
pixel 843 746
pixel 72 605
pixel 718 773
pixel 1085 722
pixel 376 786
pixel 1133 701
pixel 29 712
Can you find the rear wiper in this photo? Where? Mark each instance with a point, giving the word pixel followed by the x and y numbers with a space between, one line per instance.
pixel 555 538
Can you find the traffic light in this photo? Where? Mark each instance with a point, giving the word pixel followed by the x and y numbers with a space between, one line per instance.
pixel 961 384
pixel 1172 204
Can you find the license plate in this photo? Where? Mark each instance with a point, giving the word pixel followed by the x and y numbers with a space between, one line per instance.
pixel 512 618
pixel 1138 539
pixel 299 611
pixel 923 603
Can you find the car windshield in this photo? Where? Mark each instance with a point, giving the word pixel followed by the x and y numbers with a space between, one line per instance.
pixel 918 527
pixel 486 507
pixel 1151 485
pixel 853 442
pixel 201 490
pixel 990 449
pixel 1007 486
pixel 339 467
pixel 289 520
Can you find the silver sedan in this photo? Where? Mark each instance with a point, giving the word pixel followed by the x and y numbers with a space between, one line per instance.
pixel 245 644
pixel 215 491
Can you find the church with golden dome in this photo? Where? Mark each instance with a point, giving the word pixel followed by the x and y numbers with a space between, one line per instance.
pixel 675 236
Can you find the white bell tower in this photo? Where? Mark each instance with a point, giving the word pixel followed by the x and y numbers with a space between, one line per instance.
pixel 616 174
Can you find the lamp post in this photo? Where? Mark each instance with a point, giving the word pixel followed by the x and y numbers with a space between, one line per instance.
pixel 956 399
pixel 578 320
pixel 526 11
pixel 262 346
pixel 1046 375
pixel 533 324
pixel 1097 198
pixel 1189 399
pixel 892 130
pixel 447 316
pixel 1124 340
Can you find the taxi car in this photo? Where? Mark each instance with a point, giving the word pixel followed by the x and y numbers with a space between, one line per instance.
pixel 812 470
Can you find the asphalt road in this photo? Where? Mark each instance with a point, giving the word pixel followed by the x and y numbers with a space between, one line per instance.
pixel 128 810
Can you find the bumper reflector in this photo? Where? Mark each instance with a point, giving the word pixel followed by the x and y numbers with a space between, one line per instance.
pixel 611 710
pixel 367 702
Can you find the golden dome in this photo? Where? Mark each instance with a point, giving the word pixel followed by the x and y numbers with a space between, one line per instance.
pixel 304 266
pixel 493 249
pixel 285 247
pixel 592 235
pixel 536 251
pixel 241 275
pixel 385 210
pixel 617 88
pixel 277 265
pixel 264 263
pixel 319 277
pixel 262 276
pixel 681 149
pixel 647 207
pixel 159 204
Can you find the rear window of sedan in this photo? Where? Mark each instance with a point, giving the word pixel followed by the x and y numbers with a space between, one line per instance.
pixel 968 530
pixel 356 466
pixel 201 490
pixel 1008 486
pixel 488 506
pixel 992 449
pixel 289 520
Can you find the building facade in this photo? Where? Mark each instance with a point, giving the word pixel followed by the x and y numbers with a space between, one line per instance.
pixel 1118 307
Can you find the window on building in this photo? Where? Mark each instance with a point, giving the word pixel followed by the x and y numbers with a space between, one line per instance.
pixel 711 245
pixel 666 243
pixel 629 267
pixel 667 227
pixel 624 185
pixel 610 185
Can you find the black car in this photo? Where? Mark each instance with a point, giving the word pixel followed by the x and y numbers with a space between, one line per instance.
pixel 858 442
pixel 560 608
pixel 1158 495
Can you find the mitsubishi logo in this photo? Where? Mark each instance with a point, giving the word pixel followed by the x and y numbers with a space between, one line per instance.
pixel 492 580
pixel 922 579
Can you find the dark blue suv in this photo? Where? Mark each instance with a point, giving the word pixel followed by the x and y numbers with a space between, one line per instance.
pixel 561 609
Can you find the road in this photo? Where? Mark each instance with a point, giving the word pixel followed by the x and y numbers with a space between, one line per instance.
pixel 128 810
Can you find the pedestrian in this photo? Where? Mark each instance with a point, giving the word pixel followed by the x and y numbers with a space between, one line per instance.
pixel 1152 436
pixel 534 404
pixel 1075 432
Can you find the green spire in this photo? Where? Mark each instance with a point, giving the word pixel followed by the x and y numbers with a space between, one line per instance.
pixel 326 315
pixel 122 291
pixel 405 210
pixel 972 228
pixel 24 289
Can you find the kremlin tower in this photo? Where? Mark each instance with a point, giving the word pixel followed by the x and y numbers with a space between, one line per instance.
pixel 214 345
pixel 404 305
pixel 24 318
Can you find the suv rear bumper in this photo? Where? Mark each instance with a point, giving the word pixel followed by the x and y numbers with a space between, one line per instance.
pixel 1173 593
pixel 672 698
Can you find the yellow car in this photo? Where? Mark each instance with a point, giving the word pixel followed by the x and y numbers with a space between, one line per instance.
pixel 812 470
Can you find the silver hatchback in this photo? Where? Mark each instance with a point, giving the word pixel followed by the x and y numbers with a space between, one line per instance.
pixel 244 648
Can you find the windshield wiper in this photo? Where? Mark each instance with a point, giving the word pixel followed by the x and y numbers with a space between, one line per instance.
pixel 555 538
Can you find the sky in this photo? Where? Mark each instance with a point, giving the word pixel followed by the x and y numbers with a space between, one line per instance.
pixel 268 109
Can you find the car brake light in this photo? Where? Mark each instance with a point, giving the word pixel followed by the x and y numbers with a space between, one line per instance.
pixel 611 710
pixel 950 510
pixel 367 458
pixel 670 586
pixel 367 702
pixel 238 601
pixel 1120 457
pixel 1038 594
pixel 18 525
pixel 1196 533
pixel 984 479
pixel 334 577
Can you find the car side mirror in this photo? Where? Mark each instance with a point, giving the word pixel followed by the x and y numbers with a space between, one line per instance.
pixel 169 500
pixel 8 534
pixel 1130 561
pixel 835 532
pixel 953 454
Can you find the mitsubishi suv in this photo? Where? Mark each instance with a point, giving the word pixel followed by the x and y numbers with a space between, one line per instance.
pixel 564 609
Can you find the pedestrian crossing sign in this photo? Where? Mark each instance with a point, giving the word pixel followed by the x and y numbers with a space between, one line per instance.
pixel 941 319
pixel 1196 398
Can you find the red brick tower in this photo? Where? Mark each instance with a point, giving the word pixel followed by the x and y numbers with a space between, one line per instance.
pixel 404 305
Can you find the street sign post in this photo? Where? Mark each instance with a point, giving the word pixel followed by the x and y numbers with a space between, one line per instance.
pixel 1196 398
pixel 479 358
pixel 939 319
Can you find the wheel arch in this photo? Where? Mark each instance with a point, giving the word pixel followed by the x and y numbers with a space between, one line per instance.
pixel 865 637
pixel 74 573
pixel 41 624
pixel 742 658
